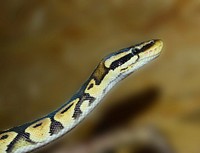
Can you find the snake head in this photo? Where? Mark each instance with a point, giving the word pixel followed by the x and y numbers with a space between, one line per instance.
pixel 129 59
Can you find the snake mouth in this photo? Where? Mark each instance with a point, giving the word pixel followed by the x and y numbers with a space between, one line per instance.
pixel 152 49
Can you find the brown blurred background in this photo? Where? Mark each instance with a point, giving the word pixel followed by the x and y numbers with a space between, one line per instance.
pixel 49 48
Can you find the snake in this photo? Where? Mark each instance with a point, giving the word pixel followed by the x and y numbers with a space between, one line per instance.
pixel 111 69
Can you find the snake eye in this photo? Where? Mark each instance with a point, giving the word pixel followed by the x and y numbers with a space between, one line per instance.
pixel 135 51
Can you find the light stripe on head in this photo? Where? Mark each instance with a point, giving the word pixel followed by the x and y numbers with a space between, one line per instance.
pixel 116 56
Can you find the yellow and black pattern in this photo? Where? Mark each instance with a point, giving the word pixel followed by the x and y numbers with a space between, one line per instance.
pixel 110 70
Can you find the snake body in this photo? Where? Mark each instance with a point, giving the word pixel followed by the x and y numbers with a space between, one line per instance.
pixel 110 70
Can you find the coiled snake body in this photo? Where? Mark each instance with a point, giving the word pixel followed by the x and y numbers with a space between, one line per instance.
pixel 110 70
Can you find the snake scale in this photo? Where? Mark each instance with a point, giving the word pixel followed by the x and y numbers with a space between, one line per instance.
pixel 111 69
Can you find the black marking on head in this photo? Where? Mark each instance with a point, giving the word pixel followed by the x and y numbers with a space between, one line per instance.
pixel 55 127
pixel 4 137
pixel 124 69
pixel 120 61
pixel 136 51
pixel 37 125
pixel 78 111
pixel 66 109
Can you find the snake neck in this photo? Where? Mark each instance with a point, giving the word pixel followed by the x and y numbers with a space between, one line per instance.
pixel 32 135
pixel 93 90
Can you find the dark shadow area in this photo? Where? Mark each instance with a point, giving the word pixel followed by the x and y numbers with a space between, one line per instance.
pixel 140 149
pixel 192 117
pixel 126 110
pixel 149 149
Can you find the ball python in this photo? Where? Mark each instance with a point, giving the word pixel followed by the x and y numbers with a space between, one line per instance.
pixel 111 69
